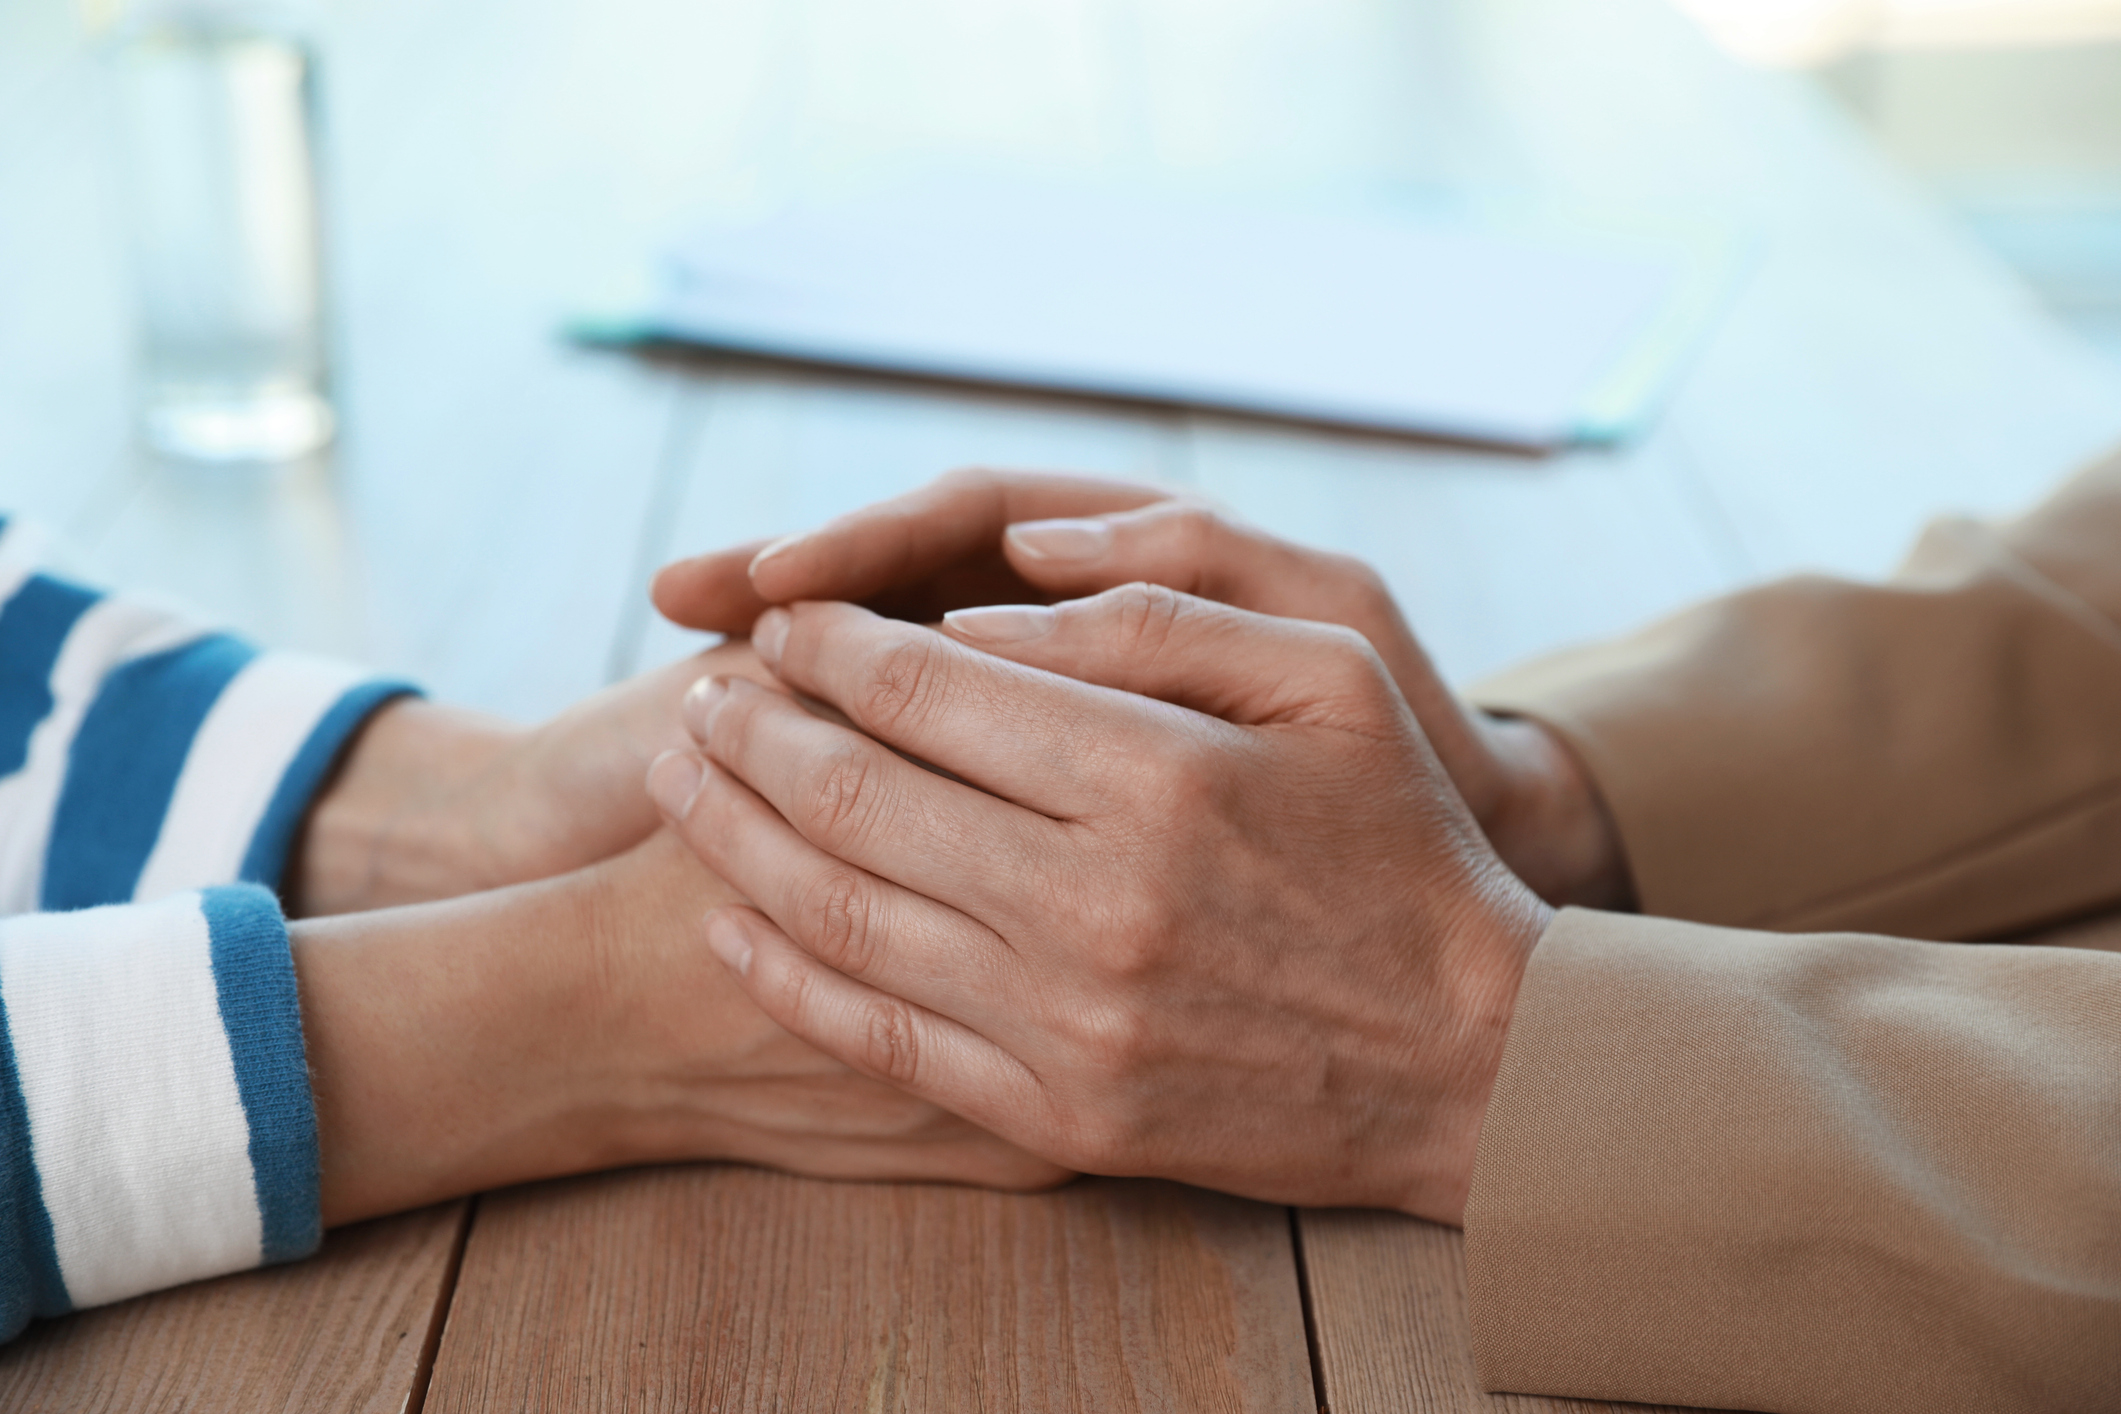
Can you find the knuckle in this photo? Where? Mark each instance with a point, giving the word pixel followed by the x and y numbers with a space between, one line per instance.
pixel 1113 1041
pixel 1368 600
pixel 1364 583
pixel 1176 775
pixel 1144 616
pixel 1351 664
pixel 730 741
pixel 897 679
pixel 1352 688
pixel 1134 954
pixel 1348 645
pixel 839 794
pixel 1193 544
pixel 1137 931
pixel 889 1049
pixel 841 931
pixel 1196 527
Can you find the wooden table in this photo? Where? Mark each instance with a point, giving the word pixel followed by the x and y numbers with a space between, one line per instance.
pixel 498 500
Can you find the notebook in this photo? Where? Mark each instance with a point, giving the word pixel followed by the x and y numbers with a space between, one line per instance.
pixel 1534 336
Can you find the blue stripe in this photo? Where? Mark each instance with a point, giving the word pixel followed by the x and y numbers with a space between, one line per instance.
pixel 123 768
pixel 33 628
pixel 266 858
pixel 30 1282
pixel 254 974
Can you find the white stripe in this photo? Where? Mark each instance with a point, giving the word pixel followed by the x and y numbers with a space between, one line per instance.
pixel 108 634
pixel 249 738
pixel 135 1121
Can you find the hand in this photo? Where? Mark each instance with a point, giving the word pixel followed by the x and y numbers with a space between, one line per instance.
pixel 433 802
pixel 987 537
pixel 577 1024
pixel 915 557
pixel 1238 931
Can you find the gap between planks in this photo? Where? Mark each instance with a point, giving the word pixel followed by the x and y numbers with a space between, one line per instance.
pixel 341 1331
pixel 1395 1332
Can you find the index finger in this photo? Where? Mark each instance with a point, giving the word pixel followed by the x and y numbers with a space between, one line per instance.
pixel 952 524
pixel 1063 748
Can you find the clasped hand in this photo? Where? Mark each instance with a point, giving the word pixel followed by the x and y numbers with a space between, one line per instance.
pixel 491 999
pixel 1195 897
pixel 1224 891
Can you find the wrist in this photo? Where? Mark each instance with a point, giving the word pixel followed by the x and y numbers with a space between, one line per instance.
pixel 456 1046
pixel 1550 825
pixel 395 823
pixel 574 1024
pixel 1485 958
pixel 544 1029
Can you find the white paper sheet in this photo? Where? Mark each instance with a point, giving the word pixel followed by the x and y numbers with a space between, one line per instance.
pixel 1431 325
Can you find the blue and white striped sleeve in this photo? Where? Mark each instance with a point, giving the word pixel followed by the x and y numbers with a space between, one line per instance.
pixel 156 1122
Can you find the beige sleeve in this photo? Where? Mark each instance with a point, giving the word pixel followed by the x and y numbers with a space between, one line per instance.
pixel 1817 1173
pixel 1936 757
pixel 1835 1172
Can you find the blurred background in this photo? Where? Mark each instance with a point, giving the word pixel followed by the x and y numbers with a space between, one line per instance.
pixel 1930 318
pixel 2009 111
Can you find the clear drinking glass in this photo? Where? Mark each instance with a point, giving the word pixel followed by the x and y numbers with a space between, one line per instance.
pixel 218 112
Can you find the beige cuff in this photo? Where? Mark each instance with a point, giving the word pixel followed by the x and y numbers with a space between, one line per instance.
pixel 1803 1173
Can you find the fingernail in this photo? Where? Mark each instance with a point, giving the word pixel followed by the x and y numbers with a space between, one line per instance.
pixel 770 635
pixel 771 550
pixel 1001 623
pixel 673 780
pixel 698 707
pixel 729 940
pixel 1062 539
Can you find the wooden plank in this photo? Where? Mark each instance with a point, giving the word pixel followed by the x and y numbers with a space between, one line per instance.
pixel 351 1329
pixel 738 1290
pixel 1395 1336
pixel 1494 557
pixel 497 480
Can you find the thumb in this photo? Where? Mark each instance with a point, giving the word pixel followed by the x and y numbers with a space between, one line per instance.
pixel 1248 668
pixel 897 543
pixel 913 555
pixel 711 592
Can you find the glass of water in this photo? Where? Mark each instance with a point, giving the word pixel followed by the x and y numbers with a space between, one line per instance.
pixel 218 109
